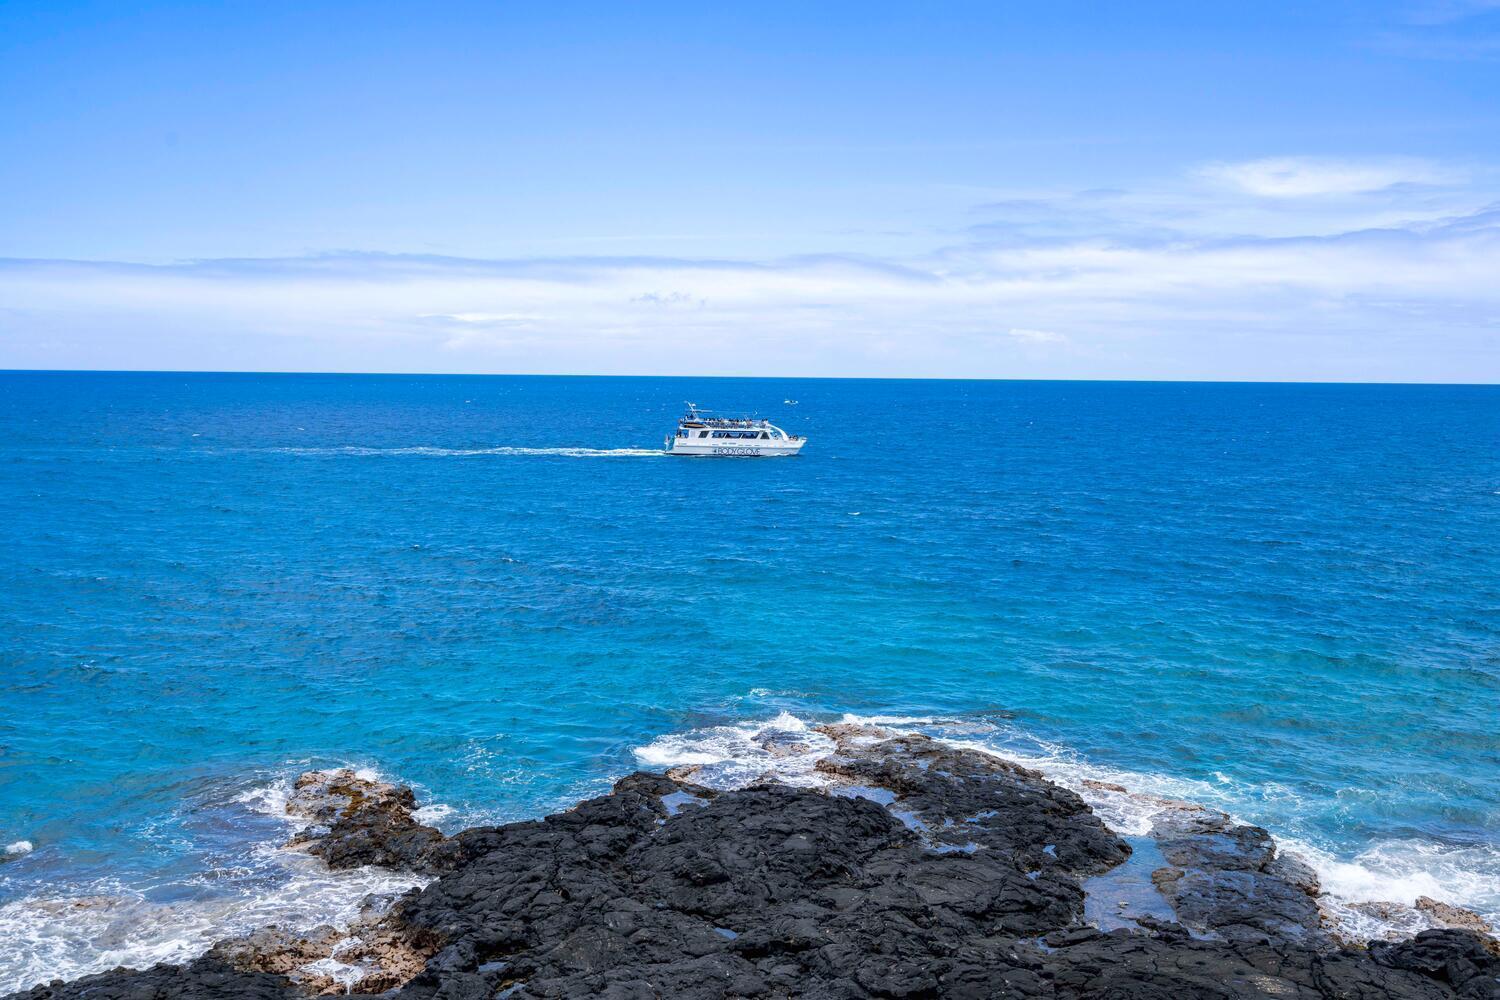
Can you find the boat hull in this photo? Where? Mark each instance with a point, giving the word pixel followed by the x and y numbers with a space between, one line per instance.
pixel 760 449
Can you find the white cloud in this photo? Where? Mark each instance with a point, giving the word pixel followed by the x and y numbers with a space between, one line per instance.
pixel 1178 283
pixel 1024 335
pixel 1305 177
pixel 484 319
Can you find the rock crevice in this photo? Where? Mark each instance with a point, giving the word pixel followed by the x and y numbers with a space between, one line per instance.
pixel 920 871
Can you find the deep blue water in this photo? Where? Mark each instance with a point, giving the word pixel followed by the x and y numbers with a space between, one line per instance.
pixel 1284 597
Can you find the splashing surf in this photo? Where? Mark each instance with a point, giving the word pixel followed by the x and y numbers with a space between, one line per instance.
pixel 1389 871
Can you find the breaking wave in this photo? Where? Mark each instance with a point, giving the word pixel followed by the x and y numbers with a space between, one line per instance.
pixel 102 924
pixel 786 748
pixel 97 926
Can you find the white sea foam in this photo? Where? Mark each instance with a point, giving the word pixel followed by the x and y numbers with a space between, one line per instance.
pixel 736 756
pixel 1395 871
pixel 105 925
pixel 344 973
pixel 98 926
pixel 435 814
pixel 18 848
pixel 270 800
pixel 1400 871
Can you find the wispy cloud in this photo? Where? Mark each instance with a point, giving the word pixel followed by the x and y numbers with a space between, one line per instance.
pixel 1450 30
pixel 1036 336
pixel 1449 11
pixel 1305 177
pixel 1371 277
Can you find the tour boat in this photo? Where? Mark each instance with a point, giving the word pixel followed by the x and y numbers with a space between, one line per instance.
pixel 730 437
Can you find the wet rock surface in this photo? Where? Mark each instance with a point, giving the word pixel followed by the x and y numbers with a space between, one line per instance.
pixel 924 871
pixel 1227 879
pixel 1452 916
pixel 282 952
pixel 357 821
pixel 369 956
pixel 964 800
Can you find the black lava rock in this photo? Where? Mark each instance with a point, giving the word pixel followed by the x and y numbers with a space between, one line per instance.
pixel 967 884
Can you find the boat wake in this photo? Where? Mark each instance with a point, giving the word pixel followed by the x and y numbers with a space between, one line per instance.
pixel 424 451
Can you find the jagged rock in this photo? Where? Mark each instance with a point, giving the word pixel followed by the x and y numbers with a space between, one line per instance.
pixel 1227 879
pixel 776 892
pixel 358 821
pixel 1453 916
pixel 1463 960
pixel 204 979
pixel 966 800
pixel 1397 921
pixel 369 956
pixel 1209 839
pixel 780 744
pixel 1124 965
pixel 849 736
pixel 281 951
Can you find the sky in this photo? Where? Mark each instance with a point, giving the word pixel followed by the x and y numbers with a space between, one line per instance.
pixel 1050 189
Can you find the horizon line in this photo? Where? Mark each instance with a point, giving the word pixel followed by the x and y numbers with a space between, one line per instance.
pixel 800 378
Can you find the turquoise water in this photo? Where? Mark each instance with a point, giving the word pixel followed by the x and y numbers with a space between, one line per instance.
pixel 1284 598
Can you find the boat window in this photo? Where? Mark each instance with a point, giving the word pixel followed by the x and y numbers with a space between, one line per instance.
pixel 764 436
pixel 703 434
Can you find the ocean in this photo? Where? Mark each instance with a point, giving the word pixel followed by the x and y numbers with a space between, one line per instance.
pixel 1282 600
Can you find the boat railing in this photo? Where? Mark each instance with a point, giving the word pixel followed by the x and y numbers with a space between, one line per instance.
pixel 700 416
pixel 744 422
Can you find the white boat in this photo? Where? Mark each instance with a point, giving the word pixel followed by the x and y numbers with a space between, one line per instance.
pixel 700 434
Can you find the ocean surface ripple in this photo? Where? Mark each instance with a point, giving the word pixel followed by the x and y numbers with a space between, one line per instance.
pixel 1283 601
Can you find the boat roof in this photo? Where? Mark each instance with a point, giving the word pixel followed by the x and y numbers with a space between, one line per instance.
pixel 696 417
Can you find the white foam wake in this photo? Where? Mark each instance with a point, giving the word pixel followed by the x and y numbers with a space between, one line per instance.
pixel 1395 871
pixel 435 452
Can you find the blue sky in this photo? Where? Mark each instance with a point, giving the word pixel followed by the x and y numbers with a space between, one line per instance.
pixel 1152 190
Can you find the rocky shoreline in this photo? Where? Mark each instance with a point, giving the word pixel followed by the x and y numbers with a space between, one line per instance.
pixel 916 870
